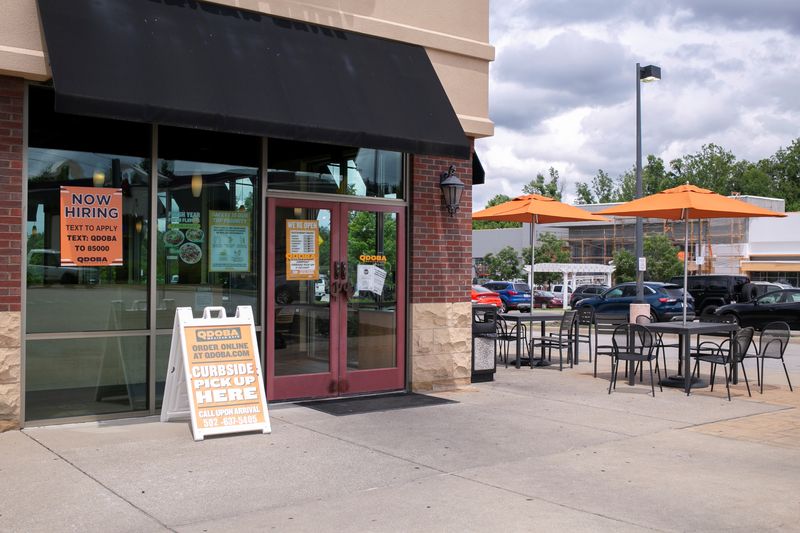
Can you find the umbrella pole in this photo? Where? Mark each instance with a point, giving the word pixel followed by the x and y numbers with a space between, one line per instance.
pixel 685 263
pixel 533 246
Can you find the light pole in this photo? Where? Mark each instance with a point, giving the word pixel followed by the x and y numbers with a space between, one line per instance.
pixel 646 75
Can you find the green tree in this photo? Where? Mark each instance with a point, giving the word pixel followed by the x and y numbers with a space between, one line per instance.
pixel 549 249
pixel 655 178
pixel 751 178
pixel 602 189
pixel 551 188
pixel 626 186
pixel 585 195
pixel 35 242
pixel 625 266
pixel 712 168
pixel 494 224
pixel 784 169
pixel 662 258
pixel 505 265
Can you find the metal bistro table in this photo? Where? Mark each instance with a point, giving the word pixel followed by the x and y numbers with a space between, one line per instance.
pixel 519 318
pixel 685 332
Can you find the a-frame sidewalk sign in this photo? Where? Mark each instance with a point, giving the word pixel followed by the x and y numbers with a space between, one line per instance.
pixel 214 375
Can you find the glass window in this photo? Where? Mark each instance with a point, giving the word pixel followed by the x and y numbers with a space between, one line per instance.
pixel 630 290
pixel 66 151
pixel 614 293
pixel 78 377
pixel 770 298
pixel 208 231
pixel 324 168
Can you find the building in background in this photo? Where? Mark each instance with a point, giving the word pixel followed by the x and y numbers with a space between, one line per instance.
pixel 764 249
pixel 260 152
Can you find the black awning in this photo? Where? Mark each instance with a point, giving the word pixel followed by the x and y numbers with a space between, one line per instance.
pixel 478 174
pixel 196 64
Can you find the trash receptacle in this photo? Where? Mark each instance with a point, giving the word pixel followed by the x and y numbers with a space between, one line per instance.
pixel 484 345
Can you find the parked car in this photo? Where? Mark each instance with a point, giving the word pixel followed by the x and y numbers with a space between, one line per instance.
pixel 514 295
pixel 586 291
pixel 44 266
pixel 482 295
pixel 710 292
pixel 545 299
pixel 776 306
pixel 665 299
pixel 558 290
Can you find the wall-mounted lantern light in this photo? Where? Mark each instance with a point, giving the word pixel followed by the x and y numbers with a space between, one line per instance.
pixel 452 188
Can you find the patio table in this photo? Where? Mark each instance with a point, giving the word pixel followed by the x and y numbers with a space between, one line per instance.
pixel 685 332
pixel 519 318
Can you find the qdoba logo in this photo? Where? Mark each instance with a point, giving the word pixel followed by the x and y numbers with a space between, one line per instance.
pixel 366 258
pixel 218 334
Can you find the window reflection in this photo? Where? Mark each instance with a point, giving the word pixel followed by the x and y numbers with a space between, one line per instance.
pixel 67 151
pixel 76 377
pixel 208 202
pixel 323 168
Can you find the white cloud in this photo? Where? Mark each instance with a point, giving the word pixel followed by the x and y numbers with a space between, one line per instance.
pixel 562 89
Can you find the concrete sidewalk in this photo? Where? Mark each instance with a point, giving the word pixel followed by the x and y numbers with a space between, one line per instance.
pixel 535 450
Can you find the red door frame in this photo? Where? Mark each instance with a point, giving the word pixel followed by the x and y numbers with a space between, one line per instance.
pixel 379 379
pixel 338 380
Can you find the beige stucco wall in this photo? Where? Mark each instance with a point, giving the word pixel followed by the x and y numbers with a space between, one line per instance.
pixel 441 344
pixel 454 32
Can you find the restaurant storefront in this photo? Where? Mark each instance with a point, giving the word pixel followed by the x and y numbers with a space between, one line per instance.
pixel 257 160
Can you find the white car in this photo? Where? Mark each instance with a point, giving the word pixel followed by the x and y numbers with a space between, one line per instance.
pixel 44 266
pixel 321 286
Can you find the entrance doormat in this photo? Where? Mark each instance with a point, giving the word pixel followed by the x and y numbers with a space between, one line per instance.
pixel 374 404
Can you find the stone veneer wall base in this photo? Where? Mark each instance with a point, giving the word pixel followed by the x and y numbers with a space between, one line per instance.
pixel 441 341
pixel 9 370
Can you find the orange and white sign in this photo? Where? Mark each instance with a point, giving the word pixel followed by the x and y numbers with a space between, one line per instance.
pixel 302 250
pixel 91 226
pixel 214 373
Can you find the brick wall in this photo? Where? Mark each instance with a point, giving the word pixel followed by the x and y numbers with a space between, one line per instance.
pixel 440 269
pixel 11 101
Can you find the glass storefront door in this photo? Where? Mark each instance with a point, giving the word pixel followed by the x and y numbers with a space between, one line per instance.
pixel 335 312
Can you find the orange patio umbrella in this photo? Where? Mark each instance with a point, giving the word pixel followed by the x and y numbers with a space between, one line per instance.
pixel 685 202
pixel 536 209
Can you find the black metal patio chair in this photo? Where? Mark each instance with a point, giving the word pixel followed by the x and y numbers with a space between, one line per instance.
pixel 562 340
pixel 507 334
pixel 772 344
pixel 728 356
pixel 605 324
pixel 634 343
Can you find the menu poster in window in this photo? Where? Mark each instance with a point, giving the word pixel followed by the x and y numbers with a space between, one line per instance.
pixel 229 241
pixel 183 238
pixel 91 226
pixel 302 252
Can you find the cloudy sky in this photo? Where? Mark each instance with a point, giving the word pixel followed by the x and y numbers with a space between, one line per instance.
pixel 563 85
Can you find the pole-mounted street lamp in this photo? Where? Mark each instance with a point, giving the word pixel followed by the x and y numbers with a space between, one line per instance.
pixel 646 75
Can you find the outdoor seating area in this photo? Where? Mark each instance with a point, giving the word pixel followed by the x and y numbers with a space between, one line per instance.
pixel 694 349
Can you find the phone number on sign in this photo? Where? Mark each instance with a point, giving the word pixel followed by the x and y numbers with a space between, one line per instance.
pixel 230 421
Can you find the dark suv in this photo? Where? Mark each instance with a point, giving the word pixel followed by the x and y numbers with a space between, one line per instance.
pixel 514 295
pixel 666 300
pixel 585 291
pixel 710 292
